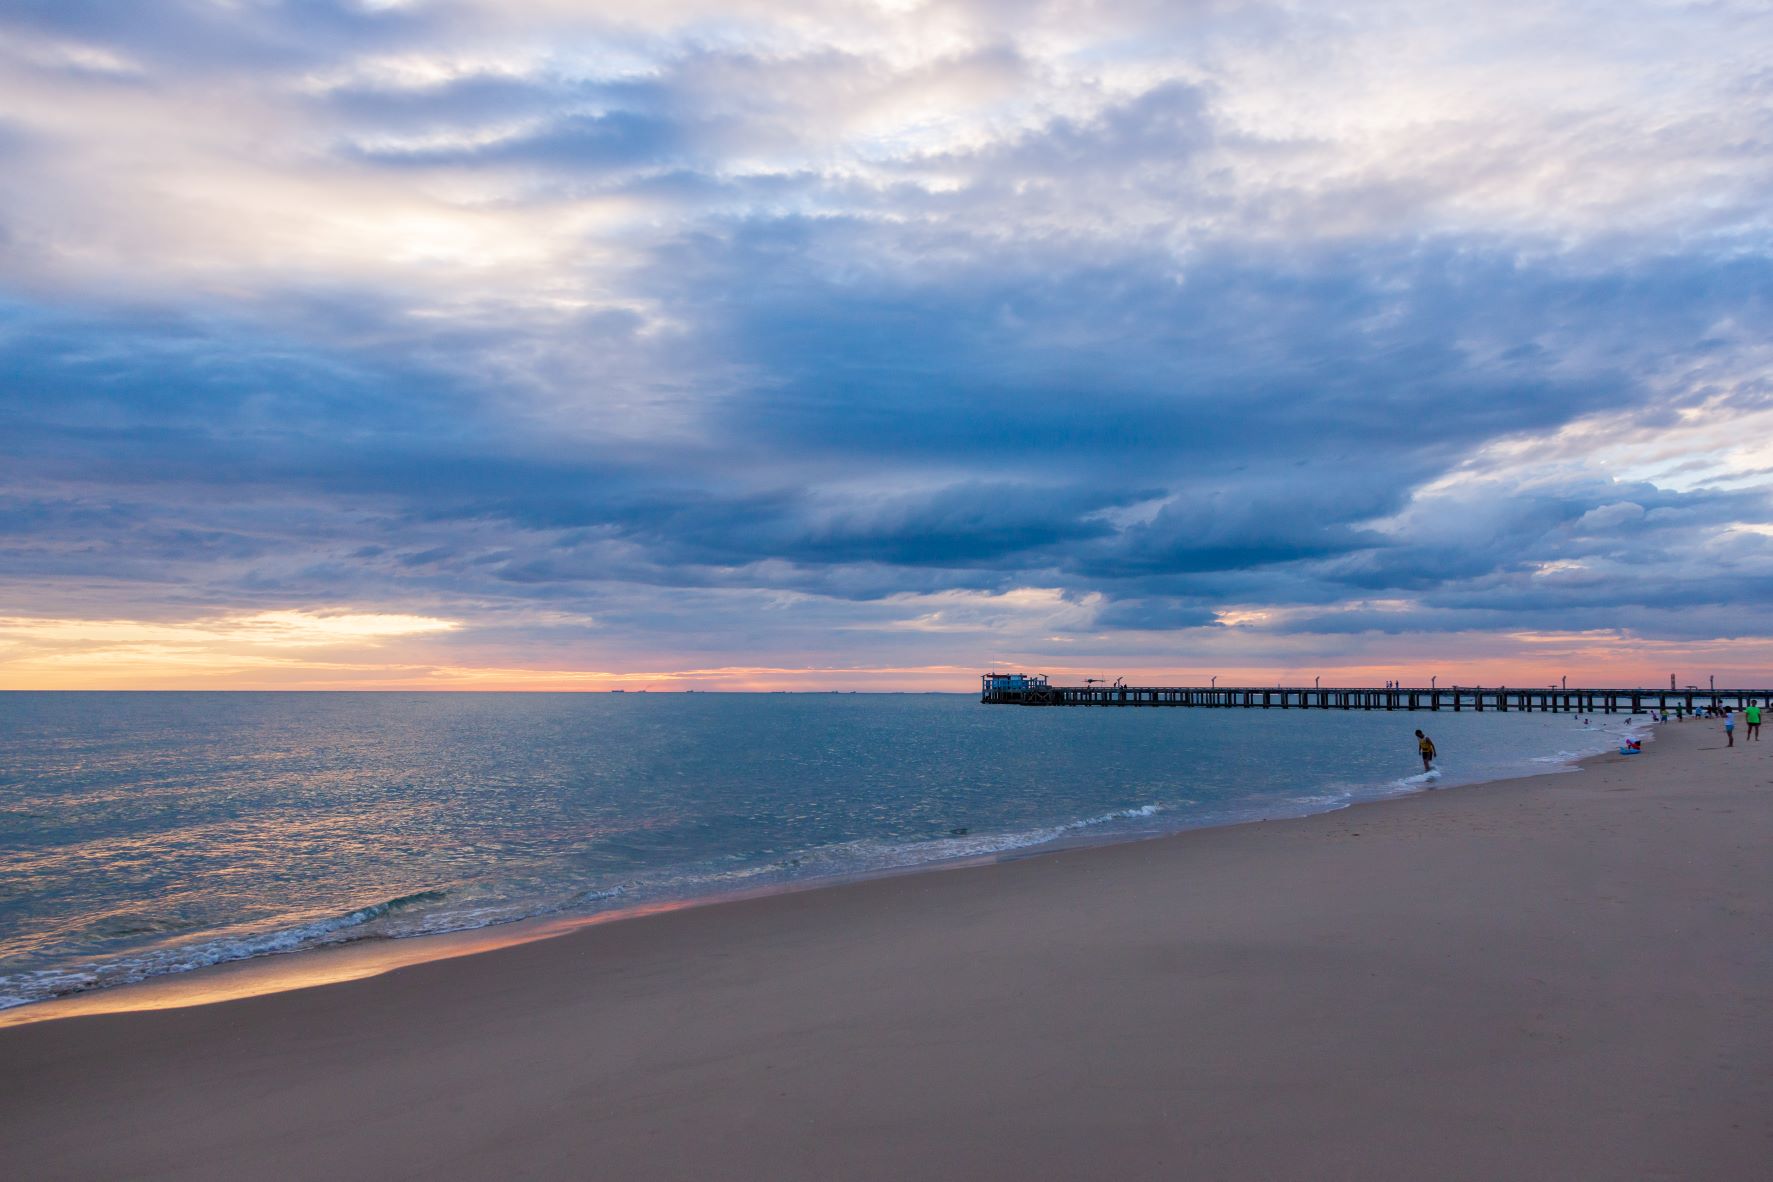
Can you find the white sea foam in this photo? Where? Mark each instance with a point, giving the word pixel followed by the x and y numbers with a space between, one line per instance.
pixel 36 985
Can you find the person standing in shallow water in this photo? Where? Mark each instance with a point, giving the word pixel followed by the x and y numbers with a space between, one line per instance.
pixel 1425 748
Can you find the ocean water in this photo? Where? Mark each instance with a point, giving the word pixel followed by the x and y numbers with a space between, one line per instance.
pixel 151 833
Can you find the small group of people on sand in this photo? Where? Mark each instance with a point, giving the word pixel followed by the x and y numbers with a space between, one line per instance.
pixel 1751 718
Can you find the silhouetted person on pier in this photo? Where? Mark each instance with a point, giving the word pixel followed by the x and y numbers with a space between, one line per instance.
pixel 1425 748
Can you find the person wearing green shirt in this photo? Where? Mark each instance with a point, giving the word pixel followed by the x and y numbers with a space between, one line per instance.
pixel 1751 714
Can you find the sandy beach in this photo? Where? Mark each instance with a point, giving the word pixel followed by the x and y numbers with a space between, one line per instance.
pixel 1569 976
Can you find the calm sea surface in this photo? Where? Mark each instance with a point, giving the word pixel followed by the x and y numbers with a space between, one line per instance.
pixel 143 834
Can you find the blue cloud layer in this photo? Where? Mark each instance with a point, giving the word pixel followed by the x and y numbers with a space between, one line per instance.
pixel 716 319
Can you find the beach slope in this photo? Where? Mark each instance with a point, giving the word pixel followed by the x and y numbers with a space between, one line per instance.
pixel 1563 977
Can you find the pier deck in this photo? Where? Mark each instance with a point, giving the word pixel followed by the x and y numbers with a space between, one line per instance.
pixel 1033 690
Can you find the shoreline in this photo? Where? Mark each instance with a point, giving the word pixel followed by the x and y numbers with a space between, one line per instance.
pixel 1559 976
pixel 352 960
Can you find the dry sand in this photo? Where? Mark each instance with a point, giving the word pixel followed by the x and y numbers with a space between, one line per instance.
pixel 1564 977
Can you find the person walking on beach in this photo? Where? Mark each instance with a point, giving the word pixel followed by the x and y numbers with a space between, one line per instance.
pixel 1751 714
pixel 1729 727
pixel 1425 748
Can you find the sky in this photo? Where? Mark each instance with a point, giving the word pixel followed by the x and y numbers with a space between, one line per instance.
pixel 536 344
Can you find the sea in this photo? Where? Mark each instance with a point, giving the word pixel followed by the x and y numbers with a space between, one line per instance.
pixel 145 834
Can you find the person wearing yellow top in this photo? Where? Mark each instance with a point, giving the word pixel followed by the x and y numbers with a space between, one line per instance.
pixel 1751 714
pixel 1425 748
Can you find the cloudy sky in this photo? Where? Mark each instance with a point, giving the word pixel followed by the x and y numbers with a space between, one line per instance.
pixel 735 343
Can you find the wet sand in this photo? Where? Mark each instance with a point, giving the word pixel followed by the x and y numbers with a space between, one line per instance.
pixel 1563 977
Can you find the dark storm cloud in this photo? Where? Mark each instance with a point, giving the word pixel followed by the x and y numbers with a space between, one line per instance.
pixel 1280 400
pixel 1195 397
pixel 1147 615
pixel 1054 350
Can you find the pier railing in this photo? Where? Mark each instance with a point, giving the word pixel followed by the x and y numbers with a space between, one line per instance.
pixel 1036 692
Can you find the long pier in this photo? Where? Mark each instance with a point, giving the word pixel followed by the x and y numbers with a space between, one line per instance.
pixel 1033 690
